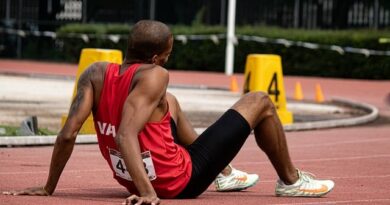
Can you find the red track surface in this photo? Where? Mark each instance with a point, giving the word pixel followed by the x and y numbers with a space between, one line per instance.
pixel 357 158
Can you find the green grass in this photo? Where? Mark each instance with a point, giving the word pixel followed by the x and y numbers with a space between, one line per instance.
pixel 13 131
pixel 9 131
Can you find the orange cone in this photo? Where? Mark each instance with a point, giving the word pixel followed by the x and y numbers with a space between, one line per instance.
pixel 233 84
pixel 319 95
pixel 298 95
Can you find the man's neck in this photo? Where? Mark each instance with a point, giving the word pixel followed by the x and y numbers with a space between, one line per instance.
pixel 127 62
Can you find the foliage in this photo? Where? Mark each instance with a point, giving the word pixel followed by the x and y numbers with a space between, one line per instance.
pixel 9 131
pixel 206 55
pixel 14 131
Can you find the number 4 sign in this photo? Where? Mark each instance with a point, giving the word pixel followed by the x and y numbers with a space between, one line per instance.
pixel 264 73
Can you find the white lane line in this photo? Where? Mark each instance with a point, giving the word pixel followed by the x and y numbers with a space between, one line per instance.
pixel 341 202
pixel 89 188
pixel 356 142
pixel 21 162
pixel 320 160
pixel 345 177
pixel 342 142
pixel 65 172
pixel 236 163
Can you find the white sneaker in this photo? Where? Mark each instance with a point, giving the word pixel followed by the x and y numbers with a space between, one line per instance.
pixel 306 186
pixel 236 181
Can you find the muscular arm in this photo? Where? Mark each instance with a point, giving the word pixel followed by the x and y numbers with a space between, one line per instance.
pixel 146 98
pixel 79 110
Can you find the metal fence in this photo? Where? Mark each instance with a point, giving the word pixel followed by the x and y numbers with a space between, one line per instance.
pixel 322 14
pixel 309 14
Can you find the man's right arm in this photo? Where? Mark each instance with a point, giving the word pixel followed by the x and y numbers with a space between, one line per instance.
pixel 79 111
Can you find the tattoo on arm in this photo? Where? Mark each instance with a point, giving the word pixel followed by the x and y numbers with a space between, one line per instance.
pixel 83 82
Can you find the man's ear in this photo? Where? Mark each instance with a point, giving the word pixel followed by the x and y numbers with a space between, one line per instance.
pixel 154 59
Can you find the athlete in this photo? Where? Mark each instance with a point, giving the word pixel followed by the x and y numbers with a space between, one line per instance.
pixel 149 143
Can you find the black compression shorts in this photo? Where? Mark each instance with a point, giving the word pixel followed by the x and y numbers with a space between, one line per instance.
pixel 213 150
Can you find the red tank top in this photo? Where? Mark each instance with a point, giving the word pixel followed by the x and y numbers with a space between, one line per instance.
pixel 168 165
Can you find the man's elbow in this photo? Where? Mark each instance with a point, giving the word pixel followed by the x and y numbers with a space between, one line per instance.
pixel 118 140
pixel 122 138
pixel 67 138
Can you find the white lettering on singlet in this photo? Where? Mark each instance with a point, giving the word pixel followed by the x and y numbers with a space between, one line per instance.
pixel 106 129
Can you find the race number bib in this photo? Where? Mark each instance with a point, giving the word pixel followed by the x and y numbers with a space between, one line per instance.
pixel 120 168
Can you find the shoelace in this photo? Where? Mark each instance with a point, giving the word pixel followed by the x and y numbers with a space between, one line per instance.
pixel 306 176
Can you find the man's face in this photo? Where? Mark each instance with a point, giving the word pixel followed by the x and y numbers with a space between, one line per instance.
pixel 162 58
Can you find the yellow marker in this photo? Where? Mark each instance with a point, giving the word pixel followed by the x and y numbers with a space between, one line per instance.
pixel 298 95
pixel 264 73
pixel 89 56
pixel 319 96
pixel 233 84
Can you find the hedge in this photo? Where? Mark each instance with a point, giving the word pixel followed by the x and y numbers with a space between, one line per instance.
pixel 205 55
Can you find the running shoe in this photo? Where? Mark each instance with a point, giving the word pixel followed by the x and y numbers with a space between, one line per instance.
pixel 306 186
pixel 236 181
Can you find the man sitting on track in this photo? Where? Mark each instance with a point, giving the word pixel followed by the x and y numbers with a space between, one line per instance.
pixel 148 142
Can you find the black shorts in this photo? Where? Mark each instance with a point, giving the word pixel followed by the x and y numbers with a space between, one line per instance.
pixel 213 150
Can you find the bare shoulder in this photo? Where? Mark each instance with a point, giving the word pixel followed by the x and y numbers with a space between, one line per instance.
pixel 95 70
pixel 94 74
pixel 172 98
pixel 154 70
pixel 153 74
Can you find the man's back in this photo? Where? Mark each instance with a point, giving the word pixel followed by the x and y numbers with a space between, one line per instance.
pixel 167 164
pixel 147 72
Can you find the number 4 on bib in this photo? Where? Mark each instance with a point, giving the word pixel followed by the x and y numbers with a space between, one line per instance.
pixel 118 165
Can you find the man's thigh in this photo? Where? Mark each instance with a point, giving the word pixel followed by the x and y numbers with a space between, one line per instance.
pixel 215 148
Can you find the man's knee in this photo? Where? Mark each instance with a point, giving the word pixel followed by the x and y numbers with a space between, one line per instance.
pixel 262 103
pixel 260 98
pixel 256 99
pixel 255 106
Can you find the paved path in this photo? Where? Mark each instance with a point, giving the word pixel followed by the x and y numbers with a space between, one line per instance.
pixel 369 91
pixel 357 158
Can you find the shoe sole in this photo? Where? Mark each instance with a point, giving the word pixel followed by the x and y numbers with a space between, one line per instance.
pixel 305 196
pixel 239 189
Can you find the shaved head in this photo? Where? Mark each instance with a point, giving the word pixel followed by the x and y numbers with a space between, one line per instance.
pixel 147 38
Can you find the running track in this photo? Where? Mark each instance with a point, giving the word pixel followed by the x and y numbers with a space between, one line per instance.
pixel 357 158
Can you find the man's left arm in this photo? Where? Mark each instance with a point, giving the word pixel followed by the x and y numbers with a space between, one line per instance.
pixel 185 131
pixel 147 96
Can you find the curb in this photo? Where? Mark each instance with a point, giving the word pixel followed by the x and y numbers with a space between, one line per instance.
pixel 373 114
pixel 41 140
pixel 9 141
pixel 38 75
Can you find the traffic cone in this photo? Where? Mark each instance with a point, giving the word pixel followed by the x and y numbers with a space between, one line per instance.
pixel 233 84
pixel 298 95
pixel 319 95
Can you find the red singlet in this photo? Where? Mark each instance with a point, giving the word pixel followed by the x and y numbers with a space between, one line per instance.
pixel 168 165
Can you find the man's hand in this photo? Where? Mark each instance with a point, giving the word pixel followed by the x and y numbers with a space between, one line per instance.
pixel 34 191
pixel 136 200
